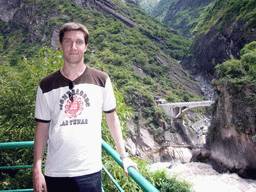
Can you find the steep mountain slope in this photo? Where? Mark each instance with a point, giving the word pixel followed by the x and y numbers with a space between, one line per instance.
pixel 226 28
pixel 27 15
pixel 222 28
pixel 181 15
pixel 184 15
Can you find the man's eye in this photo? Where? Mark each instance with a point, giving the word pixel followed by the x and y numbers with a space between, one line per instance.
pixel 80 42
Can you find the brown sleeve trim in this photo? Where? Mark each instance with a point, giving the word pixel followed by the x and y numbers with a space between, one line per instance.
pixel 110 110
pixel 42 121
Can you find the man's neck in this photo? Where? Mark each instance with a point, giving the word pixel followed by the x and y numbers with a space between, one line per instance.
pixel 71 72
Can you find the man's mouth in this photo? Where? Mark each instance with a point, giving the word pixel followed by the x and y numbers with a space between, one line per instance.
pixel 73 53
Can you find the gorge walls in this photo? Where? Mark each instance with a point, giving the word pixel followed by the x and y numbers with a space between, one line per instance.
pixel 232 135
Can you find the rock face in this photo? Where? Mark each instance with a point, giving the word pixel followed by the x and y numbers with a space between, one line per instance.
pixel 8 8
pixel 106 6
pixel 232 136
pixel 172 144
pixel 216 46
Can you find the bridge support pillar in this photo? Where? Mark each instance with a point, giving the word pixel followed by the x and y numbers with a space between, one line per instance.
pixel 180 121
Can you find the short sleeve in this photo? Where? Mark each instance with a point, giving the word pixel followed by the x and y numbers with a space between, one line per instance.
pixel 42 112
pixel 109 101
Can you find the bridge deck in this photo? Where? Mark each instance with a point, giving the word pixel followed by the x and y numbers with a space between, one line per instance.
pixel 178 110
pixel 202 103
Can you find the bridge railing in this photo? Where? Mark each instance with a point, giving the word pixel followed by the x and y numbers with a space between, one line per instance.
pixel 178 104
pixel 134 174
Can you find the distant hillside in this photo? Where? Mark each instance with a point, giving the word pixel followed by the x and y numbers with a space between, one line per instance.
pixel 148 5
pixel 181 15
pixel 160 10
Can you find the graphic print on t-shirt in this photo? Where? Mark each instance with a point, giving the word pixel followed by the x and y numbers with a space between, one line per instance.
pixel 75 107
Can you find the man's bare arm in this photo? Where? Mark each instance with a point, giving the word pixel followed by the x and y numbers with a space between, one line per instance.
pixel 116 133
pixel 41 137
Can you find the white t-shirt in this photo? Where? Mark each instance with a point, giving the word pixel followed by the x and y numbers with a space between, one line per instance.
pixel 74 147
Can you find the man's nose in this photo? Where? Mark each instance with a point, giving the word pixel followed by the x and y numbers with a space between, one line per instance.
pixel 74 46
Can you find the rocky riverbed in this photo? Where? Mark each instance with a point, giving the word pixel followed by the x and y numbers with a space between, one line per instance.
pixel 205 179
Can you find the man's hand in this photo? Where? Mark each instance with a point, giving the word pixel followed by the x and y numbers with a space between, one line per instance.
pixel 127 162
pixel 39 182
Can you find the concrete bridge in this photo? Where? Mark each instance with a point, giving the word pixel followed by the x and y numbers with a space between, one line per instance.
pixel 178 110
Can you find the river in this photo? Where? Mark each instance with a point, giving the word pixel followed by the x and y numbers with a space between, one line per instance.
pixel 205 179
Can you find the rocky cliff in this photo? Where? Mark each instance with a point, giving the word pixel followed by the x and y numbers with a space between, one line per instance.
pixel 215 46
pixel 232 135
pixel 172 142
pixel 225 30
pixel 107 7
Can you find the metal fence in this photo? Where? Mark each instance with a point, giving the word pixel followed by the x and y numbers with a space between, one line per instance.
pixel 134 174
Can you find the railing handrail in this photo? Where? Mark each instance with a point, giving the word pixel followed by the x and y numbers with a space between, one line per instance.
pixel 12 145
pixel 134 174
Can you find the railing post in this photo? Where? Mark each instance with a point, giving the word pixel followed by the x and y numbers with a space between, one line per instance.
pixel 113 180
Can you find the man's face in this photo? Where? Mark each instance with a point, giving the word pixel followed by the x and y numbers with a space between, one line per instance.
pixel 73 47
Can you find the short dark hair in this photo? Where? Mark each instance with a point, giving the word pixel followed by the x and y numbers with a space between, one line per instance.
pixel 73 26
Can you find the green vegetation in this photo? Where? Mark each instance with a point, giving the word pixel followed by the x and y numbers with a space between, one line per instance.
pixel 148 5
pixel 186 16
pixel 116 46
pixel 229 11
pixel 242 71
pixel 119 50
pixel 161 8
pixel 24 40
pixel 193 17
pixel 181 15
pixel 239 73
pixel 160 179
pixel 18 93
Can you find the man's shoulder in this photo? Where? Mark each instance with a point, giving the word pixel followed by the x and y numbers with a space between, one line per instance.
pixel 51 76
pixel 96 77
pixel 50 81
pixel 96 72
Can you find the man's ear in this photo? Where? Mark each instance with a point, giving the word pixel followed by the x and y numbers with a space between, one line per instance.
pixel 60 45
pixel 86 46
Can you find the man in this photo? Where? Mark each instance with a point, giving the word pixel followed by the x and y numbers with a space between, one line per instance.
pixel 68 111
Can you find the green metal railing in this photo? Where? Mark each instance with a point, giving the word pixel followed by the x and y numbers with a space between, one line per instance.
pixel 134 174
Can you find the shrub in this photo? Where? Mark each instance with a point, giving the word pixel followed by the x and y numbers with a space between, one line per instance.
pixel 160 179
